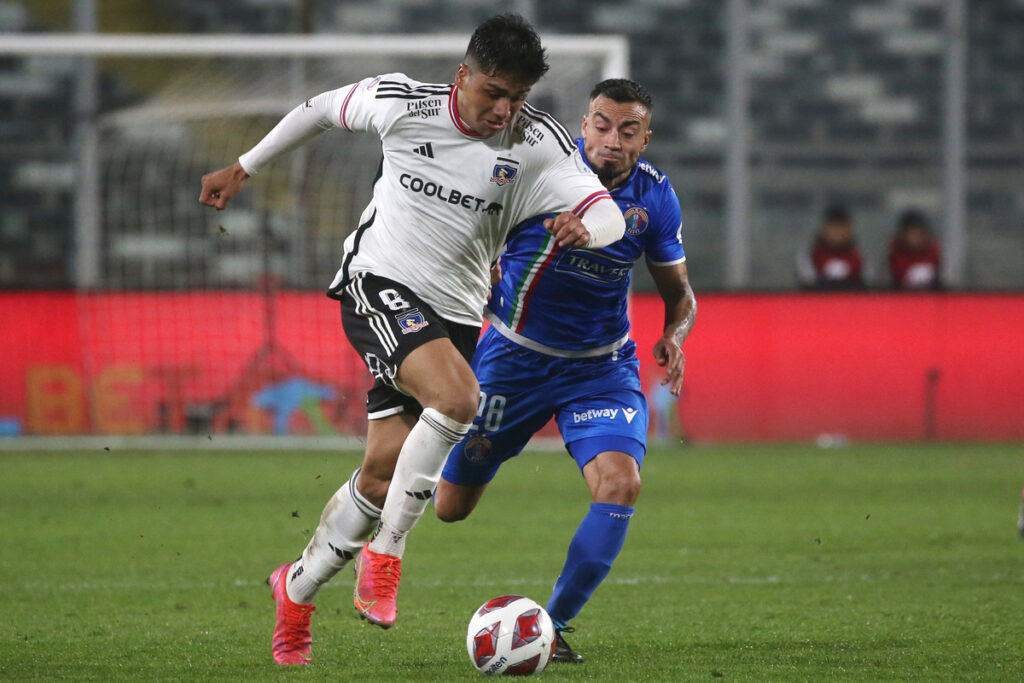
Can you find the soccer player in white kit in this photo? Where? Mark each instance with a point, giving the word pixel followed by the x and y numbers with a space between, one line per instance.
pixel 462 164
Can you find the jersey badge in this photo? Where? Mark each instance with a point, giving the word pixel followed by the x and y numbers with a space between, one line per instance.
pixel 372 84
pixel 636 220
pixel 477 449
pixel 411 321
pixel 505 171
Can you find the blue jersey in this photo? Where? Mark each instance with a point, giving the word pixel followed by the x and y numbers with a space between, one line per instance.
pixel 573 302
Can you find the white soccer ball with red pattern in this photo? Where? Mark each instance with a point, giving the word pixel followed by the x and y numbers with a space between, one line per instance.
pixel 510 635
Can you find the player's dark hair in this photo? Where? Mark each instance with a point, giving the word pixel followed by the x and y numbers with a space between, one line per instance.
pixel 623 91
pixel 837 213
pixel 508 45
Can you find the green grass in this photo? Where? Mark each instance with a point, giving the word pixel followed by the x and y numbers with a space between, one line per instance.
pixel 743 563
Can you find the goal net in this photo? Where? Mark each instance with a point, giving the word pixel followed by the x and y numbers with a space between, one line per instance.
pixel 191 321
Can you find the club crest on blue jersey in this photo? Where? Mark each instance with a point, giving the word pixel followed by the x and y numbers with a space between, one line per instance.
pixel 477 449
pixel 411 321
pixel 636 220
pixel 504 171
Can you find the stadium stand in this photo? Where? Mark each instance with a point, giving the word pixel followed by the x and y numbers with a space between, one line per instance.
pixel 845 105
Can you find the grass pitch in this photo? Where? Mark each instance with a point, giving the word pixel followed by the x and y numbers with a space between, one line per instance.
pixel 743 563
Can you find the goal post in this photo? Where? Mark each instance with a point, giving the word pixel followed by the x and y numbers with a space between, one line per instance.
pixel 203 322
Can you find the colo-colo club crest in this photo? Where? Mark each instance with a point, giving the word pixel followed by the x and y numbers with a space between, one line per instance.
pixel 411 321
pixel 505 171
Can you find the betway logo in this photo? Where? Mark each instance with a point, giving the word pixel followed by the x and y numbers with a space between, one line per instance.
pixel 610 413
pixel 592 414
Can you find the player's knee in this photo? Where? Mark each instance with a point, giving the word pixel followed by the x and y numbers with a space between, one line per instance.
pixel 619 488
pixel 448 512
pixel 458 402
pixel 453 503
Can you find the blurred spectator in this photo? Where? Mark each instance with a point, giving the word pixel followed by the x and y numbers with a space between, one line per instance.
pixel 914 254
pixel 833 262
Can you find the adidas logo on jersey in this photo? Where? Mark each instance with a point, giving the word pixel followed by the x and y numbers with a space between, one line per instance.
pixel 426 150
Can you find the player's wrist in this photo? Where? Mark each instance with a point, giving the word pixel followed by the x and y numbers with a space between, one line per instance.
pixel 239 171
pixel 671 338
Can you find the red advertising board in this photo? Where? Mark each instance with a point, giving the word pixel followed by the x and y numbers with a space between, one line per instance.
pixel 759 367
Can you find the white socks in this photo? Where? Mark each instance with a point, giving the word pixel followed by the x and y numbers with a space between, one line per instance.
pixel 346 523
pixel 416 475
pixel 349 518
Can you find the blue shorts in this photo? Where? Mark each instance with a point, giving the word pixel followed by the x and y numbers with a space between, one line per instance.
pixel 597 402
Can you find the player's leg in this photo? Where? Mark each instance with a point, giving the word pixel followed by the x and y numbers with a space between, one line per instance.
pixel 614 481
pixel 440 378
pixel 407 346
pixel 353 512
pixel 605 430
pixel 455 502
pixel 442 381
pixel 514 406
pixel 345 523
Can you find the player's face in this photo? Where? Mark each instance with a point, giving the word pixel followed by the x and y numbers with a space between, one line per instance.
pixel 614 136
pixel 488 104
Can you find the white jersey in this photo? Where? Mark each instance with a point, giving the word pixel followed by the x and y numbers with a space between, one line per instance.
pixel 446 198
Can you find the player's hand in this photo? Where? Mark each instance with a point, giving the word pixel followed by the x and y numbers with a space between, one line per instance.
pixel 568 230
pixel 495 277
pixel 220 186
pixel 669 356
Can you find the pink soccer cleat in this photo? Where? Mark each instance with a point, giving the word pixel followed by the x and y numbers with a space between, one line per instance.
pixel 376 589
pixel 292 637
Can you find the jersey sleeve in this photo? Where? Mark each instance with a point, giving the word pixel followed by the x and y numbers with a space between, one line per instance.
pixel 353 107
pixel 665 245
pixel 567 184
pixel 360 108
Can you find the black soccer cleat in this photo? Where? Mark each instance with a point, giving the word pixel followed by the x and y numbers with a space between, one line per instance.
pixel 564 653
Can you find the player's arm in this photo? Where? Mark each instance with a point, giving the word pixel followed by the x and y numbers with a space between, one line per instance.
pixel 680 313
pixel 300 125
pixel 601 225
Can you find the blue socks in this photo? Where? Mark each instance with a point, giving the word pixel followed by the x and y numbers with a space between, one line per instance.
pixel 593 550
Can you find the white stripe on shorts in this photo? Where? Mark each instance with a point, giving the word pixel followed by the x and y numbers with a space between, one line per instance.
pixel 378 321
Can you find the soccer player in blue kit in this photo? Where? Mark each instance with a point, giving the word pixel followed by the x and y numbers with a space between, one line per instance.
pixel 559 345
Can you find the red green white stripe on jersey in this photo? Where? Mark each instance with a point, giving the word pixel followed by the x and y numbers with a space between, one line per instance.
pixel 542 258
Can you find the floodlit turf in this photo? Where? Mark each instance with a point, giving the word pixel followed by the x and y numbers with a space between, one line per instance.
pixel 743 563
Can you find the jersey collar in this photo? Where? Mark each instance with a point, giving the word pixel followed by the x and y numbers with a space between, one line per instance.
pixel 453 111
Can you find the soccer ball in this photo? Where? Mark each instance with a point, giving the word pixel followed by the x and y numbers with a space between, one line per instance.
pixel 510 635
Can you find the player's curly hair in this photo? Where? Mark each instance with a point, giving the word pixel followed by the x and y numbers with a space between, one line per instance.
pixel 623 90
pixel 508 45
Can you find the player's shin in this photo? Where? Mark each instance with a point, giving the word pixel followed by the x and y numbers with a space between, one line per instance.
pixel 592 551
pixel 416 475
pixel 345 524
